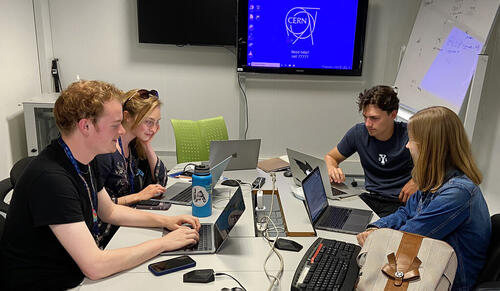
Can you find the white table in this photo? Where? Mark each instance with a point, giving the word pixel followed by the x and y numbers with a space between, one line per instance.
pixel 242 255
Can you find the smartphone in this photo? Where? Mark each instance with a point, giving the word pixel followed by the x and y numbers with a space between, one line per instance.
pixel 171 265
pixel 152 205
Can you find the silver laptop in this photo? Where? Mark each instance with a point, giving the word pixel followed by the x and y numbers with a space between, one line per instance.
pixel 245 153
pixel 180 193
pixel 212 236
pixel 301 165
pixel 328 217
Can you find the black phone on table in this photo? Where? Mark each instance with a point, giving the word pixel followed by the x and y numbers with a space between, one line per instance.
pixel 171 265
pixel 152 205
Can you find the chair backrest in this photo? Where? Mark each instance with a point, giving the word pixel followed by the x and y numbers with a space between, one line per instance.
pixel 2 224
pixel 192 138
pixel 491 269
pixel 18 169
pixel 212 129
pixel 8 184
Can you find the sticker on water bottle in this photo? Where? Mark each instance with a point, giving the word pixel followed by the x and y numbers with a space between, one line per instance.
pixel 200 196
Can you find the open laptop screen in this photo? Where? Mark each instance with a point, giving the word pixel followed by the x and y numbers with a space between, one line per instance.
pixel 228 218
pixel 314 193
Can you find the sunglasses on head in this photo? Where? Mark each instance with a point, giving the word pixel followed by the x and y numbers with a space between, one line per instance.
pixel 144 94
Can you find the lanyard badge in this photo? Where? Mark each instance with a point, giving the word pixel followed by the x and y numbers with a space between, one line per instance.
pixel 90 189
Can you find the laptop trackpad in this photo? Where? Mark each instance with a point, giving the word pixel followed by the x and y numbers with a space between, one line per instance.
pixel 356 222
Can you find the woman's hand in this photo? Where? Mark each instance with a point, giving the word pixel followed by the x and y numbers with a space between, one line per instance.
pixel 151 191
pixel 362 236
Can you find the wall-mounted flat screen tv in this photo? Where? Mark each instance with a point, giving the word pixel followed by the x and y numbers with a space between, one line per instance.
pixel 322 37
pixel 187 22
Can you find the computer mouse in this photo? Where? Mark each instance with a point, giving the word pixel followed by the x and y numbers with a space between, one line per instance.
pixel 232 183
pixel 287 245
pixel 287 173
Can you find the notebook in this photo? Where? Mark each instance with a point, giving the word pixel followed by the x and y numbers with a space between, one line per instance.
pixel 213 235
pixel 328 217
pixel 245 153
pixel 273 165
pixel 301 165
pixel 180 193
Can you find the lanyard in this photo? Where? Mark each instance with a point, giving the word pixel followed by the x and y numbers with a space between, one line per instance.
pixel 130 165
pixel 90 190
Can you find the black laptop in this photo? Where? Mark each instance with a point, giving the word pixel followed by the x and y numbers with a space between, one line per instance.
pixel 327 217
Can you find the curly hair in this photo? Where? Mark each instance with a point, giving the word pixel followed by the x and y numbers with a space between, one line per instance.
pixel 384 97
pixel 83 99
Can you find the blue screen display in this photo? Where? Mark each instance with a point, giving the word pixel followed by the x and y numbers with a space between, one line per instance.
pixel 315 34
pixel 315 194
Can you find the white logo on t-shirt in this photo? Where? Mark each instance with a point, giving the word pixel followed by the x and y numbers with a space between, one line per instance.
pixel 382 158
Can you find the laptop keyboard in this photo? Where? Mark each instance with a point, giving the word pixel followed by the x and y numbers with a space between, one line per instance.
pixel 327 265
pixel 335 217
pixel 185 196
pixel 336 192
pixel 205 242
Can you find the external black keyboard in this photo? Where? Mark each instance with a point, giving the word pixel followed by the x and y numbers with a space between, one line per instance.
pixel 327 265
pixel 185 196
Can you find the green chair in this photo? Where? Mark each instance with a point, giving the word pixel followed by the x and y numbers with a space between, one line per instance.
pixel 192 138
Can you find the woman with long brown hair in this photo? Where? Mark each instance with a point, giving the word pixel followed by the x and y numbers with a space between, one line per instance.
pixel 449 204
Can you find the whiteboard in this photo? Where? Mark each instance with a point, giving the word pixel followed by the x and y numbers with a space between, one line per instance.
pixel 442 52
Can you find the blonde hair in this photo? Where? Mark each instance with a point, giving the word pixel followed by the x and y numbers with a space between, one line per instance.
pixel 83 100
pixel 139 103
pixel 442 143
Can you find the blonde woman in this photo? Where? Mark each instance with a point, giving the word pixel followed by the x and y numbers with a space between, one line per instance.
pixel 134 172
pixel 449 205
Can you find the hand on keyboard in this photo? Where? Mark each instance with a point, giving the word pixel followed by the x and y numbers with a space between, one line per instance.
pixel 180 238
pixel 151 191
pixel 175 222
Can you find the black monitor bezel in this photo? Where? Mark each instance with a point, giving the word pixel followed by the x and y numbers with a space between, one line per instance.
pixel 359 43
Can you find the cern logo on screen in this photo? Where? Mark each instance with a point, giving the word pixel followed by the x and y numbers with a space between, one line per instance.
pixel 300 23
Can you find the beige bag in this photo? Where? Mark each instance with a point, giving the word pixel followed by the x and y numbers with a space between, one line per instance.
pixel 396 260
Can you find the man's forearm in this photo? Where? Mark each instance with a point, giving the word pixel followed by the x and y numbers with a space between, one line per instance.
pixel 331 162
pixel 126 216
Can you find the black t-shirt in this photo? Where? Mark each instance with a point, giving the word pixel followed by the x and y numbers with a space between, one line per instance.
pixel 387 164
pixel 49 192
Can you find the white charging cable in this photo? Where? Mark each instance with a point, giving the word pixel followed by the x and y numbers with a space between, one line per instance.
pixel 277 277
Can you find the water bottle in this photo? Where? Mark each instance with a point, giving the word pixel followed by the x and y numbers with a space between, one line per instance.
pixel 202 191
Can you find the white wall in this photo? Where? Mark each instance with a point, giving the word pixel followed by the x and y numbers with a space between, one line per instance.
pixel 19 78
pixel 98 40
pixel 486 143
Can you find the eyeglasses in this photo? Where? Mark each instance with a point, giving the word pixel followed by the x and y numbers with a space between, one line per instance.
pixel 150 123
pixel 144 94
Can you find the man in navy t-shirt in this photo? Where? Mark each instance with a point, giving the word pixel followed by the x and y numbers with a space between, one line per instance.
pixel 380 143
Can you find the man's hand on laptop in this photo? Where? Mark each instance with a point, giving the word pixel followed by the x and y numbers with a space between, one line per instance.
pixel 175 222
pixel 179 238
pixel 409 189
pixel 336 175
pixel 151 191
